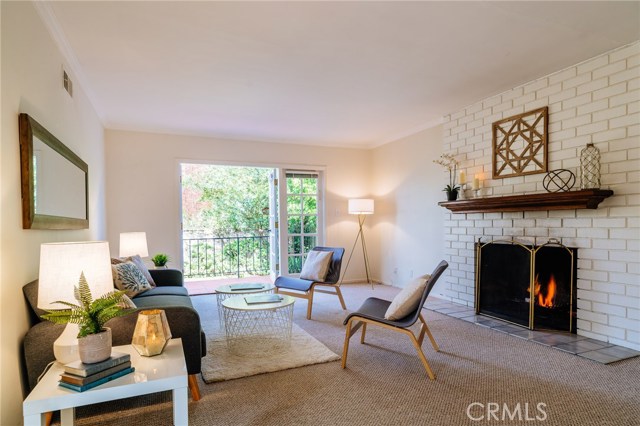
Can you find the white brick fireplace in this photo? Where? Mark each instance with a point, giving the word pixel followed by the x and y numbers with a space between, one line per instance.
pixel 595 101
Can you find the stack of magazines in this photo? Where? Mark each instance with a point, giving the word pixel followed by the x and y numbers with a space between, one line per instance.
pixel 80 377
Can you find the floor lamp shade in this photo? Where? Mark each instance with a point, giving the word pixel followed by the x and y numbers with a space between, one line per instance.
pixel 361 206
pixel 132 243
pixel 60 267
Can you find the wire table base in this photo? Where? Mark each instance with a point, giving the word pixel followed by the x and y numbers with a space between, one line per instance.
pixel 249 326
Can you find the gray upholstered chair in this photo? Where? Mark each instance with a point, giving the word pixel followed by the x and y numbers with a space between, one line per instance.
pixel 298 287
pixel 373 310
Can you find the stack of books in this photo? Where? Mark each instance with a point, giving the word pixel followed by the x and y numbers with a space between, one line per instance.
pixel 246 286
pixel 80 377
pixel 263 298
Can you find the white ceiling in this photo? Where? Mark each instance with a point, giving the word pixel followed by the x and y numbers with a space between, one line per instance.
pixel 327 73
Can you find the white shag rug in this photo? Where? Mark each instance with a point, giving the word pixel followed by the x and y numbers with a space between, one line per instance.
pixel 255 356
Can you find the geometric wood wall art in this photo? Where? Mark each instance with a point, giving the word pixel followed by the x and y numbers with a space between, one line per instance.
pixel 520 144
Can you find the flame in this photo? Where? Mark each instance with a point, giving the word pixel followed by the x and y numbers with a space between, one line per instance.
pixel 546 301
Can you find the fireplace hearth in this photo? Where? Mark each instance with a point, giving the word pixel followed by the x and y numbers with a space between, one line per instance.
pixel 533 286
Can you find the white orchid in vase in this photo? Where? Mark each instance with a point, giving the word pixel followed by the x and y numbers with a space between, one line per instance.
pixel 449 162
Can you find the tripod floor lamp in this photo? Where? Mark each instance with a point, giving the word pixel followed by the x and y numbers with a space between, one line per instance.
pixel 361 207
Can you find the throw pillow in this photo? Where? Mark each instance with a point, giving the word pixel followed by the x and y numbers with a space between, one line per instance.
pixel 137 260
pixel 126 303
pixel 116 261
pixel 316 266
pixel 407 300
pixel 127 277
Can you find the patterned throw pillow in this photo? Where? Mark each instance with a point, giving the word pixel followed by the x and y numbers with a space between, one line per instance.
pixel 137 260
pixel 127 277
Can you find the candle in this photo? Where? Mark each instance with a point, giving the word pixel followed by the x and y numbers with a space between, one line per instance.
pixel 155 345
pixel 476 183
pixel 463 177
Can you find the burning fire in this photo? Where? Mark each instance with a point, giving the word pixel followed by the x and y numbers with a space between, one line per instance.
pixel 546 301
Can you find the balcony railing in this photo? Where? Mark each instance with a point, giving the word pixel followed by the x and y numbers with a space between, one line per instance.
pixel 226 256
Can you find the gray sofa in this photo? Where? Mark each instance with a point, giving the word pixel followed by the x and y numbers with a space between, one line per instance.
pixel 169 294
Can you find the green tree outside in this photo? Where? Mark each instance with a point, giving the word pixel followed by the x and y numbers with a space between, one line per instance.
pixel 227 206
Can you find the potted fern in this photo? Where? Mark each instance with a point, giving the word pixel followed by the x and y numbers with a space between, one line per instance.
pixel 160 260
pixel 94 340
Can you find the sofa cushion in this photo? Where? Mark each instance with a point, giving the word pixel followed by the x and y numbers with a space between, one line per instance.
pixel 163 291
pixel 137 260
pixel 127 277
pixel 162 302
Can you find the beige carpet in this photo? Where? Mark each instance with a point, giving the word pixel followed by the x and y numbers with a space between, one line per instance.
pixel 257 355
pixel 384 382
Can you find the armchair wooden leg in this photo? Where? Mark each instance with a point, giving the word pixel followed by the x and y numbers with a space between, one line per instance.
pixel 364 330
pixel 339 293
pixel 47 418
pixel 425 363
pixel 425 328
pixel 193 387
pixel 310 305
pixel 345 350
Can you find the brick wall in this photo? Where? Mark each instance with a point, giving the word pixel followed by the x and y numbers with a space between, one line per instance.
pixel 595 101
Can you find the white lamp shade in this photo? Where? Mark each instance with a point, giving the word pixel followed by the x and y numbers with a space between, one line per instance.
pixel 60 268
pixel 361 206
pixel 132 243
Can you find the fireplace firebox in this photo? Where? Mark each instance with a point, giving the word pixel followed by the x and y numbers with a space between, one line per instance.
pixel 533 286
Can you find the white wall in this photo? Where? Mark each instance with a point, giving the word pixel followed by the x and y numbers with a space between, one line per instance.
pixel 32 83
pixel 408 236
pixel 595 101
pixel 143 190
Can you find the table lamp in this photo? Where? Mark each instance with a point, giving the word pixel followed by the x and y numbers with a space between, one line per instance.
pixel 60 267
pixel 361 207
pixel 132 243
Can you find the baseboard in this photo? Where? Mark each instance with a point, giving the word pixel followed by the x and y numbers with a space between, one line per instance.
pixel 363 281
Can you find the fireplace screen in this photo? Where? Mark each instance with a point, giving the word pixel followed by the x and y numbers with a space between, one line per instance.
pixel 531 286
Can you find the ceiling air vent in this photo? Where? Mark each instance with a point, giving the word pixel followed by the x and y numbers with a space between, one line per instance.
pixel 67 83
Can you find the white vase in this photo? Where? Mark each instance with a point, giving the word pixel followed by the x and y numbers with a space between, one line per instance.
pixel 95 347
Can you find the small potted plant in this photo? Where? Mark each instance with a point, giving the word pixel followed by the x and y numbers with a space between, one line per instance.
pixel 451 164
pixel 160 260
pixel 94 339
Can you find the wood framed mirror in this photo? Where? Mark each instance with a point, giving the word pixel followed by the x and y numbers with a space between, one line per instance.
pixel 55 180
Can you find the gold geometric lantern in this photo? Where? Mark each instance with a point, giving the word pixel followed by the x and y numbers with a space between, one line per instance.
pixel 151 333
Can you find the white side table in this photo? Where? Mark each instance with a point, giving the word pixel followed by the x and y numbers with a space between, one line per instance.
pixel 167 371
pixel 224 292
pixel 263 324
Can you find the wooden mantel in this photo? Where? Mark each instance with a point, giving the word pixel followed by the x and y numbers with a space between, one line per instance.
pixel 584 199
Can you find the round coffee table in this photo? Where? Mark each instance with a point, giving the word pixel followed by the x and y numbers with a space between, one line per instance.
pixel 226 291
pixel 257 324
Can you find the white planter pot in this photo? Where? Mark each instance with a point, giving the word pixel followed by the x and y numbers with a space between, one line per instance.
pixel 95 347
